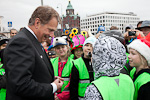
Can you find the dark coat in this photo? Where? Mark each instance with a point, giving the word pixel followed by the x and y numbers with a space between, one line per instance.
pixel 29 72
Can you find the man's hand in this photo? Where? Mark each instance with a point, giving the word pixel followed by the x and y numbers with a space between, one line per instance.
pixel 139 33
pixel 58 83
pixel 57 77
pixel 56 98
pixel 126 35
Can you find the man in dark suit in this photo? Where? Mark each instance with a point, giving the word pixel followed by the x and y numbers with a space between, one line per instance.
pixel 29 73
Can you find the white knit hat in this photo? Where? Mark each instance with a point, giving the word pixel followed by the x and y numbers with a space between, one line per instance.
pixel 142 48
pixel 90 40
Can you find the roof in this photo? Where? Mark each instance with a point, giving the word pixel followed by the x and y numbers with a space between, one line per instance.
pixel 69 6
pixel 130 13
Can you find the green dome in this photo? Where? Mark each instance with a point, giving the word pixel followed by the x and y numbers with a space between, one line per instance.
pixel 69 6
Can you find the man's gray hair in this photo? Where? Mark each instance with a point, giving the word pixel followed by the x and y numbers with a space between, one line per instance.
pixel 45 14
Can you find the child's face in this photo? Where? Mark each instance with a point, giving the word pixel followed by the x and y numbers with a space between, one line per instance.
pixel 61 50
pixel 86 49
pixel 78 52
pixel 134 58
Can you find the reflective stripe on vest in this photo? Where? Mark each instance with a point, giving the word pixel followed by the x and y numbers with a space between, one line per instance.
pixel 84 81
pixel 83 76
pixel 66 79
pixel 81 98
pixel 65 72
pixel 110 90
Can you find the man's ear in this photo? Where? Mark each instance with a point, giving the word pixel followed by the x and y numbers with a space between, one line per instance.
pixel 37 23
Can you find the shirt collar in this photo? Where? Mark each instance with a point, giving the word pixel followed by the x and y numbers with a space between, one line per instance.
pixel 31 31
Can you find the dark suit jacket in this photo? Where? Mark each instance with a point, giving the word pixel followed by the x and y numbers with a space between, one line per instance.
pixel 29 72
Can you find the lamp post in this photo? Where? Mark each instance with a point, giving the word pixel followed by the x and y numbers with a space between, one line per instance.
pixel 61 15
pixel 1 26
pixel 41 2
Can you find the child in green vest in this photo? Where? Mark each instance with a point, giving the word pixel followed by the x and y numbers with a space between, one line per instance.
pixel 108 58
pixel 139 58
pixel 62 66
pixel 82 71
pixel 76 48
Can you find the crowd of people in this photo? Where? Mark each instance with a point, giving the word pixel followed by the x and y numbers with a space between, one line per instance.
pixel 36 65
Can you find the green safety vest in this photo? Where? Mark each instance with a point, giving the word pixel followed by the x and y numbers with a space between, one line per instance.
pixel 132 72
pixel 84 79
pixel 139 81
pixel 2 91
pixel 65 72
pixel 127 58
pixel 72 56
pixel 110 90
pixel 127 62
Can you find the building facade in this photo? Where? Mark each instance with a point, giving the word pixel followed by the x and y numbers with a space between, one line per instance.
pixel 108 19
pixel 70 20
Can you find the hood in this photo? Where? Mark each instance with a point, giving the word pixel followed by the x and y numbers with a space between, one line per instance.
pixel 109 56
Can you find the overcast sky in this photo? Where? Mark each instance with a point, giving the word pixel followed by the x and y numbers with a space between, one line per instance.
pixel 19 11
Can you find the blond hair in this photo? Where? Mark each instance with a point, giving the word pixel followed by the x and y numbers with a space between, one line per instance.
pixel 143 60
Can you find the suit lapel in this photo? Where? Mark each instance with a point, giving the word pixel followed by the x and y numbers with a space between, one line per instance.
pixel 42 53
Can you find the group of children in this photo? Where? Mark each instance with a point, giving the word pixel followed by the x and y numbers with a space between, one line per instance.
pixel 92 68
